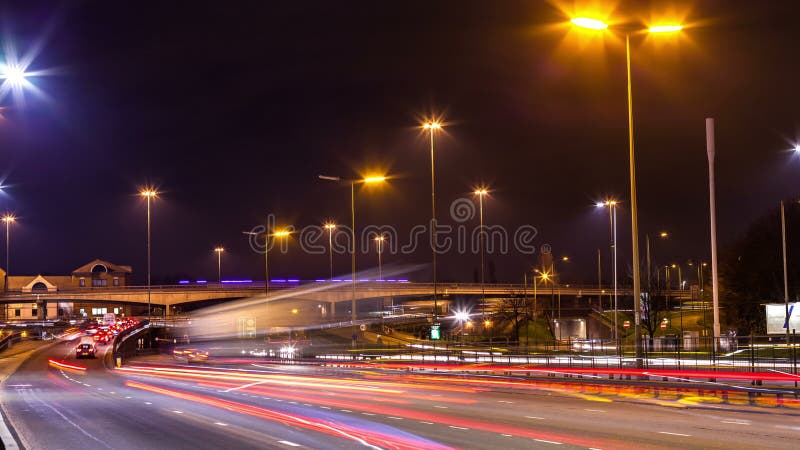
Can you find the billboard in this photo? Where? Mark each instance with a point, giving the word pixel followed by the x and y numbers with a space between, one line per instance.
pixel 776 317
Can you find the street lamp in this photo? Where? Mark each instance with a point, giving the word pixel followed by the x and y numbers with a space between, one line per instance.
pixel 330 226
pixel 367 180
pixel 599 25
pixel 219 251
pixel 149 194
pixel 481 192
pixel 431 127
pixel 8 219
pixel 379 247
pixel 612 217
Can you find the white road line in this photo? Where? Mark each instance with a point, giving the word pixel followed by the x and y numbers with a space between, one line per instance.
pixel 128 396
pixel 675 434
pixel 506 435
pixel 594 410
pixel 147 403
pixel 325 407
pixel 504 401
pixel 221 424
pixel 534 417
pixel 289 443
pixel 367 414
pixel 544 441
pixel 735 422
pixel 440 406
pixel 458 428
pixel 177 412
pixel 393 417
pixel 426 423
pixel 345 410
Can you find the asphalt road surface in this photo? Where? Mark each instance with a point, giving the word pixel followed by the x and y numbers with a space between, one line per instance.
pixel 153 405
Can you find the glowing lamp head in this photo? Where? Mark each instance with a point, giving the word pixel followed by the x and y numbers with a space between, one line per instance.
pixel 15 75
pixel 481 192
pixel 8 218
pixel 461 316
pixel 589 23
pixel 665 28
pixel 565 258
pixel 663 235
pixel 148 193
pixel 432 125
pixel 545 276
pixel 374 179
pixel 380 238
pixel 674 266
pixel 797 149
pixel 487 323
pixel 219 249
pixel 329 226
pixel 282 233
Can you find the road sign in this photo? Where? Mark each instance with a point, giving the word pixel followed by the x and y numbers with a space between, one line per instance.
pixel 626 324
pixel 435 335
pixel 663 325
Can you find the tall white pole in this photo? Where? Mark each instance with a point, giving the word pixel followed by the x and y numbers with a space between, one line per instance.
pixel 148 256
pixel 637 301
pixel 785 273
pixel 712 203
pixel 616 304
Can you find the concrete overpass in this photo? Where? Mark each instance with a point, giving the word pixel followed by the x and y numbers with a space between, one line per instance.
pixel 329 292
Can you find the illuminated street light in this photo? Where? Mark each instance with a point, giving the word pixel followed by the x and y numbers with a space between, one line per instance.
pixel 599 25
pixel 592 24
pixel 149 194
pixel 663 235
pixel 379 241
pixel 373 179
pixel 612 217
pixel 432 127
pixel 481 192
pixel 219 251
pixel 330 226
pixel 8 219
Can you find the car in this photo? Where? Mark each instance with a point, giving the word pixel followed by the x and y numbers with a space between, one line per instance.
pixel 85 350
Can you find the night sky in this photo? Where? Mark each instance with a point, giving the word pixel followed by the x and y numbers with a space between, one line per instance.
pixel 232 109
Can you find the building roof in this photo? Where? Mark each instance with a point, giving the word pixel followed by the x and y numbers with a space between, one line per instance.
pixel 110 267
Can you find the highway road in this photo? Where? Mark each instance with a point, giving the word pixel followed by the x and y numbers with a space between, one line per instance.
pixel 160 403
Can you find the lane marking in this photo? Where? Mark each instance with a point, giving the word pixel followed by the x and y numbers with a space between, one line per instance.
pixel 458 428
pixel 504 401
pixel 177 412
pixel 393 417
pixel 325 407
pixel 506 435
pixel 147 403
pixel 221 424
pixel 345 410
pixel 367 414
pixel 289 443
pixel 426 423
pixel 675 434
pixel 548 442
pixel 440 406
pixel 534 417
pixel 735 422
pixel 594 410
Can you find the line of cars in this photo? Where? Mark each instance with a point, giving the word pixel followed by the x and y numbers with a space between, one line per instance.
pixel 97 333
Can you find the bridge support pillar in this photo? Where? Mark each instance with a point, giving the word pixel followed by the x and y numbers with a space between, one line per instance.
pixel 331 310
pixel 169 310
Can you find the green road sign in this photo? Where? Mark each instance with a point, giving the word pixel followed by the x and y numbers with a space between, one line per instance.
pixel 435 336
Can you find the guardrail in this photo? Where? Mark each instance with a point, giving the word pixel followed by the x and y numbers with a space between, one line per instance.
pixel 9 340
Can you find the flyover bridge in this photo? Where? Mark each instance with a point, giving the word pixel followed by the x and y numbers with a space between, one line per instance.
pixel 330 292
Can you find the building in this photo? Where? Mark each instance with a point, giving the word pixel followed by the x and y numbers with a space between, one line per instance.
pixel 95 274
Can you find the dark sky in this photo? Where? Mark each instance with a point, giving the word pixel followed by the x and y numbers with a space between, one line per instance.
pixel 233 108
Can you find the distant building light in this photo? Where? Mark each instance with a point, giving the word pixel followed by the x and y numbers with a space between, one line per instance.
pixel 236 281
pixel 293 280
pixel 320 281
pixel 201 281
pixel 183 282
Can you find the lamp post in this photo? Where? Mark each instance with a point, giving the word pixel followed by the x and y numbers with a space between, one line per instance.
pixel 432 127
pixel 612 217
pixel 8 219
pixel 352 183
pixel 330 226
pixel 218 251
pixel 481 192
pixel 594 24
pixel 149 194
